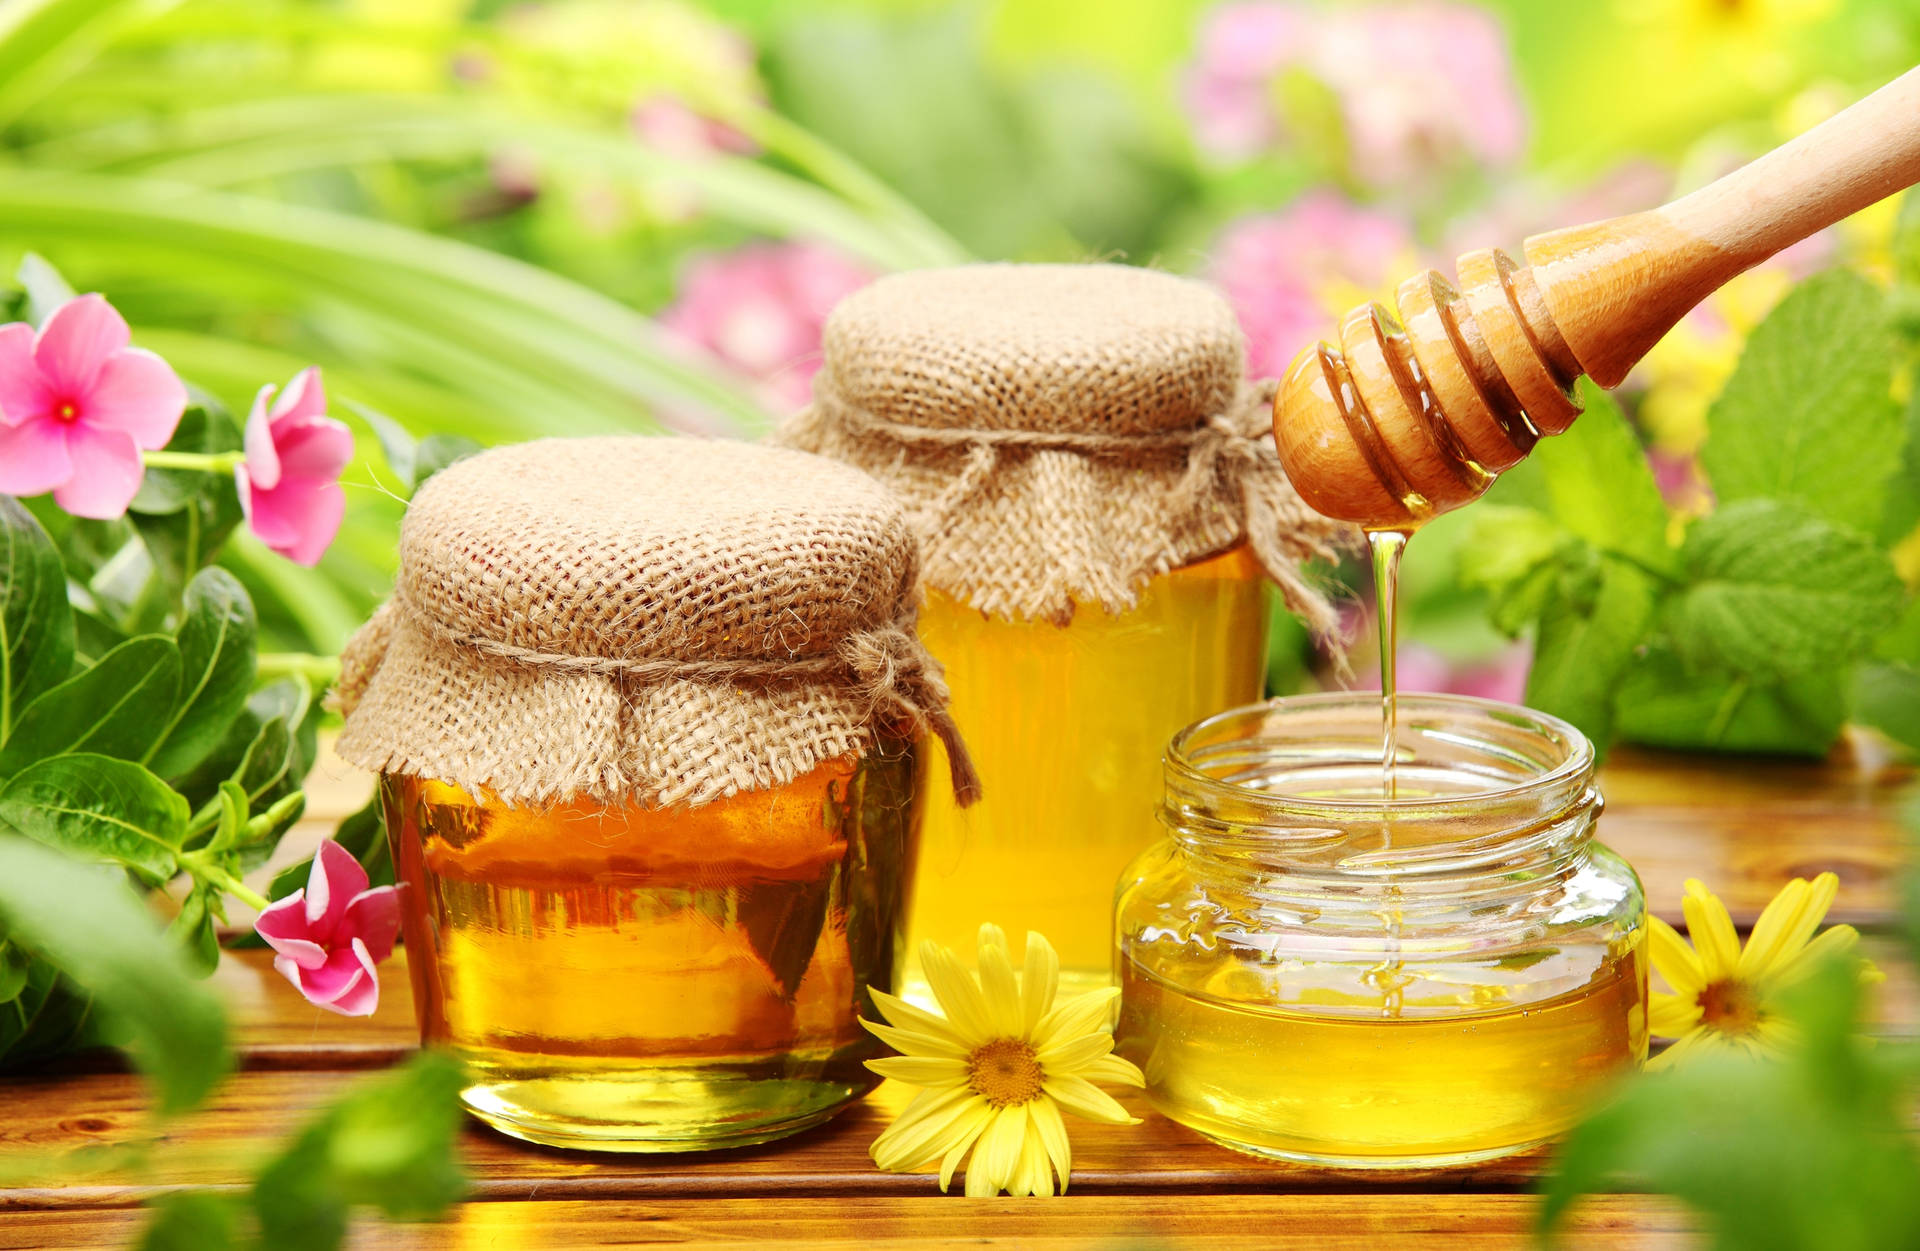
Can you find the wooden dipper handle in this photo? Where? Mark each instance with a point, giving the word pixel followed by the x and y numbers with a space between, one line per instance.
pixel 1412 417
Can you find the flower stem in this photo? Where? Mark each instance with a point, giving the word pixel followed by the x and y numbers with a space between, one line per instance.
pixel 207 871
pixel 320 670
pixel 207 462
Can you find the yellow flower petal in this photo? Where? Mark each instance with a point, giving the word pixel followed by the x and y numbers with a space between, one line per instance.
pixel 921 1070
pixel 1714 939
pixel 1111 1068
pixel 999 989
pixel 1670 1016
pixel 1673 958
pixel 1775 945
pixel 917 1137
pixel 1039 983
pixel 958 993
pixel 997 1152
pixel 1070 1055
pixel 1052 1133
pixel 1032 1175
pixel 1083 1014
pixel 1082 1098
pixel 967 1130
pixel 909 1042
pixel 906 1016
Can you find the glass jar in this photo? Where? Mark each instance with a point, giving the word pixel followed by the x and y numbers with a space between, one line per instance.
pixel 656 979
pixel 1312 973
pixel 1062 722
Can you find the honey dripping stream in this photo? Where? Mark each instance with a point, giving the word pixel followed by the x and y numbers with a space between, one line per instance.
pixel 1386 546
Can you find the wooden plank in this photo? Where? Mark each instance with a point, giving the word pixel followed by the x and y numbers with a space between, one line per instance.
pixel 1203 1222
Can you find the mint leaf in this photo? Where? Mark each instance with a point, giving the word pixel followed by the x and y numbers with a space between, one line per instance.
pixel 1514 555
pixel 1587 637
pixel 1902 516
pixel 118 707
pixel 1774 592
pixel 1599 487
pixel 1887 697
pixel 1662 703
pixel 99 808
pixel 1808 414
pixel 98 932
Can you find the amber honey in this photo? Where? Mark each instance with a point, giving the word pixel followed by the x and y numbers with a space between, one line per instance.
pixel 1066 726
pixel 1320 1063
pixel 656 979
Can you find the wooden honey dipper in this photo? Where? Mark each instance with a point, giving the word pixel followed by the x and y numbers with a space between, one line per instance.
pixel 1412 417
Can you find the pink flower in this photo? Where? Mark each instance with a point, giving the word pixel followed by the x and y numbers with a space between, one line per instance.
pixel 1420 87
pixel 761 309
pixel 1290 275
pixel 330 934
pixel 1501 676
pixel 77 405
pixel 290 483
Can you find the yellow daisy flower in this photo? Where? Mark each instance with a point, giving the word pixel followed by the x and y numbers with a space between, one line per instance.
pixel 996 1070
pixel 1723 996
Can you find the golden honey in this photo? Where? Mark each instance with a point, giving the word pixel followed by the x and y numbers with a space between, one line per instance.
pixel 1312 970
pixel 1066 726
pixel 656 979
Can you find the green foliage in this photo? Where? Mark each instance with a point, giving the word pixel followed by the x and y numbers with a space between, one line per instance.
pixel 117 707
pixel 1752 632
pixel 36 627
pixel 216 647
pixel 99 808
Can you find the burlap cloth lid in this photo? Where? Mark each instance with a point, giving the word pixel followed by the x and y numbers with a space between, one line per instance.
pixel 643 620
pixel 1061 433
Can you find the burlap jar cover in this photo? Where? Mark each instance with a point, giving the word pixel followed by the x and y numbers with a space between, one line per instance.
pixel 636 620
pixel 1061 433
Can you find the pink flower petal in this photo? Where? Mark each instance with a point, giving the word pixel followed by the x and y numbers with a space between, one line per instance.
pixel 33 457
pixel 299 518
pixel 283 924
pixel 23 392
pixel 346 984
pixel 263 458
pixel 106 472
pixel 76 341
pixel 362 995
pixel 335 879
pixel 374 918
pixel 139 393
pixel 312 447
pixel 304 397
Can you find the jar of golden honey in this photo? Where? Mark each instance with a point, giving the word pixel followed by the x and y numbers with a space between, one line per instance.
pixel 1100 508
pixel 1311 972
pixel 648 715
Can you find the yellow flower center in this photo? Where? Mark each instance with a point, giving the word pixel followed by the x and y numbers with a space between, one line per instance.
pixel 68 412
pixel 1731 1007
pixel 1005 1072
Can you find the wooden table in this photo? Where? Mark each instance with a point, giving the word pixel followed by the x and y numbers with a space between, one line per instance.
pixel 1743 826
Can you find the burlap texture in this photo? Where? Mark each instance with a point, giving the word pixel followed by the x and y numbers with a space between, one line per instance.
pixel 1061 434
pixel 639 620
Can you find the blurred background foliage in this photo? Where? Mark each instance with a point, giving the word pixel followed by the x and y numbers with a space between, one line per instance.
pixel 499 219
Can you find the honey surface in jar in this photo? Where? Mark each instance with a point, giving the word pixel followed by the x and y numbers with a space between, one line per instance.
pixel 1066 726
pixel 655 979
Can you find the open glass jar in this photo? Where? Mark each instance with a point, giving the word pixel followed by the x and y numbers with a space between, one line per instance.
pixel 1311 972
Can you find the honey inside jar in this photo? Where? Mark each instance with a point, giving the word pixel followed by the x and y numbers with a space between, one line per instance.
pixel 694 970
pixel 1066 726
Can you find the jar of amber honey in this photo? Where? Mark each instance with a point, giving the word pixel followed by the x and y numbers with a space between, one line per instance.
pixel 1311 972
pixel 647 714
pixel 1100 507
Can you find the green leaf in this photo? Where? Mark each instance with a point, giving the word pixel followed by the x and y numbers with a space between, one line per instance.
pixel 116 708
pixel 437 451
pixel 46 289
pixel 204 429
pixel 1514 554
pixel 399 447
pixel 1662 703
pixel 1774 592
pixel 192 931
pixel 388 1144
pixel 15 961
pixel 1586 641
pixel 1902 517
pixel 1599 487
pixel 192 1220
pixel 99 808
pixel 1808 414
pixel 36 627
pixel 1887 697
pixel 92 926
pixel 216 639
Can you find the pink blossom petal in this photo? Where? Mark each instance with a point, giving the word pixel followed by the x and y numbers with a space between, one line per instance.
pixel 33 457
pixel 299 518
pixel 23 392
pixel 362 995
pixel 106 472
pixel 373 917
pixel 76 341
pixel 263 458
pixel 304 397
pixel 139 393
pixel 336 877
pixel 346 984
pixel 312 447
pixel 283 923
